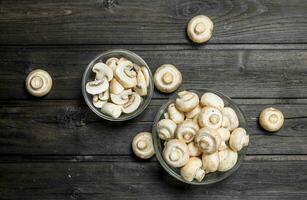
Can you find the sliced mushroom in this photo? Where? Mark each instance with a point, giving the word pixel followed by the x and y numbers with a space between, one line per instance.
pixel 194 112
pixel 271 119
pixel 97 86
pixel 98 103
pixel 238 139
pixel 175 114
pixel 210 162
pixel 104 96
pixel 121 98
pixel 192 170
pixel 186 130
pixel 210 117
pixel 228 159
pixel 142 145
pixel 186 101
pixel 115 87
pixel 112 63
pixel 102 70
pixel 232 117
pixel 121 59
pixel 146 75
pixel 200 29
pixel 194 150
pixel 39 83
pixel 207 140
pixel 212 100
pixel 125 74
pixel 141 86
pixel 133 103
pixel 111 109
pixel 176 153
pixel 166 129
pixel 167 78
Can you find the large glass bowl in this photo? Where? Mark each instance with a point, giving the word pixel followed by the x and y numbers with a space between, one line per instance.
pixel 210 178
pixel 89 75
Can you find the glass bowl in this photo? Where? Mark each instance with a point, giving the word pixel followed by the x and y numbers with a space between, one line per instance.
pixel 88 75
pixel 210 178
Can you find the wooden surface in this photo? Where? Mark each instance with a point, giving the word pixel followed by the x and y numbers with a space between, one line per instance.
pixel 55 148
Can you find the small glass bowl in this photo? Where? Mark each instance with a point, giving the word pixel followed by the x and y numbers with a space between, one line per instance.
pixel 210 178
pixel 89 75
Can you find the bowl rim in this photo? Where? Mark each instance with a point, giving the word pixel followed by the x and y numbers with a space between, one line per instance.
pixel 143 106
pixel 158 153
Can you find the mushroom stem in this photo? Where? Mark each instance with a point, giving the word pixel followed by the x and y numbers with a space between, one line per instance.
pixel 167 78
pixel 214 119
pixel 37 82
pixel 199 175
pixel 200 28
pixel 273 118
pixel 141 145
pixel 174 156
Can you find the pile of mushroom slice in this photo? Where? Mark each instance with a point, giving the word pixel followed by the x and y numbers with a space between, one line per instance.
pixel 119 86
pixel 201 135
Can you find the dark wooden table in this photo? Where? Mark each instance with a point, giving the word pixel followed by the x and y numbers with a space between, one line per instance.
pixel 56 148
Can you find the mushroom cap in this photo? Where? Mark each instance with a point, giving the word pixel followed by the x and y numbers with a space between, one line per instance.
pixel 112 63
pixel 186 101
pixel 121 98
pixel 228 159
pixel 125 74
pixel 193 149
pixel 192 170
pixel 210 162
pixel 210 117
pixel 271 119
pixel 111 109
pixel 224 133
pixel 176 153
pixel 115 87
pixel 146 75
pixel 166 129
pixel 98 103
pixel 133 103
pixel 200 29
pixel 186 130
pixel 39 82
pixel 167 78
pixel 212 100
pixel 232 117
pixel 102 70
pixel 175 114
pixel 207 140
pixel 238 139
pixel 141 86
pixel 142 145
pixel 97 86
pixel 194 112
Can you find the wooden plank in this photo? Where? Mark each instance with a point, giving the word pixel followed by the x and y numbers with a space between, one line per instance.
pixel 240 73
pixel 68 127
pixel 138 180
pixel 150 22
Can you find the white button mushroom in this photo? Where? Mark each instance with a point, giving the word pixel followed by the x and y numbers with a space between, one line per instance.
pixel 166 129
pixel 102 71
pixel 200 29
pixel 194 150
pixel 38 83
pixel 175 114
pixel 194 112
pixel 133 103
pixel 112 63
pixel 230 115
pixel 111 109
pixel 224 133
pixel 141 86
pixel 98 103
pixel 238 139
pixel 212 100
pixel 186 101
pixel 207 140
pixel 228 159
pixel 125 74
pixel 186 130
pixel 167 78
pixel 210 117
pixel 97 86
pixel 176 153
pixel 115 87
pixel 210 162
pixel 121 98
pixel 142 145
pixel 192 170
pixel 271 119
pixel 146 75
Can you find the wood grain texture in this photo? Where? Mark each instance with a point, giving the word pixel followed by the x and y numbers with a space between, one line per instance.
pixel 150 22
pixel 138 180
pixel 70 128
pixel 236 71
